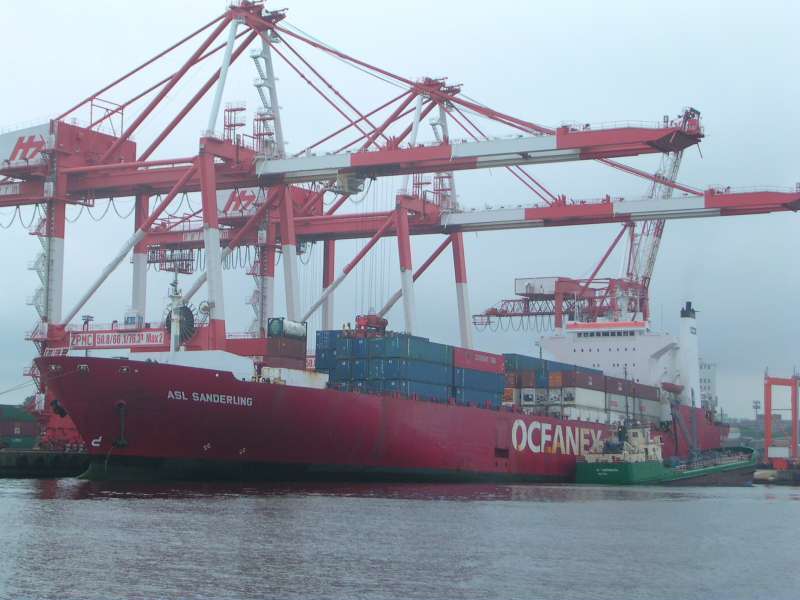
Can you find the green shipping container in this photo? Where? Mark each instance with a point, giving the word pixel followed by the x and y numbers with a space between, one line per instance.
pixel 24 442
pixel 416 348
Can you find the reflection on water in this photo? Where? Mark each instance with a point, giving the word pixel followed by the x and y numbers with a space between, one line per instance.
pixel 76 539
pixel 73 489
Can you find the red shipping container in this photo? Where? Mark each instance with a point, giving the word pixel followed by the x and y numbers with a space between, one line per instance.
pixel 527 379
pixel 478 361
pixel 622 387
pixel 615 385
pixel 648 392
pixel 285 362
pixel 512 380
pixel 287 347
pixel 580 379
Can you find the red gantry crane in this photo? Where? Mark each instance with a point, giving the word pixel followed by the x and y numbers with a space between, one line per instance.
pixel 547 301
pixel 254 193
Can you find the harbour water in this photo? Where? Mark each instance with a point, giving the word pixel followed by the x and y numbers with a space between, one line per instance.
pixel 69 539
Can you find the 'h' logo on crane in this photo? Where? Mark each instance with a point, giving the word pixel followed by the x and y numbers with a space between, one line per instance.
pixel 27 149
pixel 239 200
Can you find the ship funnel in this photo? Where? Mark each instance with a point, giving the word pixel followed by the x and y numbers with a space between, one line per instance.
pixel 689 357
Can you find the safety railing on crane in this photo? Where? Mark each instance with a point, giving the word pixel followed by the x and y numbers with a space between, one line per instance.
pixel 692 125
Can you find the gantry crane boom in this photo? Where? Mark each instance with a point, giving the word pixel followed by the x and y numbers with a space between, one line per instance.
pixel 645 237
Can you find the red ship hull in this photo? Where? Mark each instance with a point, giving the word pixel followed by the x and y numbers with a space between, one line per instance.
pixel 145 419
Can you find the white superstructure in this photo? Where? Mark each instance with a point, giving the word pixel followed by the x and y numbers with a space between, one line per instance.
pixel 632 350
pixel 708 385
pixel 688 358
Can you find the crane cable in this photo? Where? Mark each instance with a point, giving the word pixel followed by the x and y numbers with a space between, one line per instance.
pixel 96 220
pixel 21 386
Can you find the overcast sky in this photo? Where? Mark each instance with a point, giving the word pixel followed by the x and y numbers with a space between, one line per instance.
pixel 589 62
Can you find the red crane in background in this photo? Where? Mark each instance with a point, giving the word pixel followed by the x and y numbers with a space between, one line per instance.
pixel 549 300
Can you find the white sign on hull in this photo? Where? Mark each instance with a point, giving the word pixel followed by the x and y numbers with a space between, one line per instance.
pixel 79 340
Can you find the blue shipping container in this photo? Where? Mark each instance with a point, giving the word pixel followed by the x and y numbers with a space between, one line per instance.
pixel 359 347
pixel 375 386
pixel 556 366
pixel 360 385
pixel 325 360
pixel 377 368
pixel 542 380
pixel 466 396
pixel 343 371
pixel 376 347
pixel 417 370
pixel 521 362
pixel 326 339
pixel 344 347
pixel 360 368
pixel 478 380
pixel 416 388
pixel 416 348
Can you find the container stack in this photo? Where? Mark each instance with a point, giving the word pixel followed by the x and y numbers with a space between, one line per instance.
pixel 526 380
pixel 395 363
pixel 18 428
pixel 529 381
pixel 286 344
pixel 326 350
pixel 577 395
pixel 478 378
pixel 410 366
pixel 636 400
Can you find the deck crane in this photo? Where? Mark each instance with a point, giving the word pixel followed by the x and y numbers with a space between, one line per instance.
pixel 547 300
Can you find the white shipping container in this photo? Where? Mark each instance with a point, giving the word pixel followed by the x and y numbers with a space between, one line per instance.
pixel 590 398
pixel 578 413
pixel 295 377
pixel 527 396
pixel 617 402
pixel 651 409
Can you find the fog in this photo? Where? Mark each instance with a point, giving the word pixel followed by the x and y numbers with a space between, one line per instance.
pixel 545 62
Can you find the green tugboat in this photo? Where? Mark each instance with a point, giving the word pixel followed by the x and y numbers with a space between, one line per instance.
pixel 635 459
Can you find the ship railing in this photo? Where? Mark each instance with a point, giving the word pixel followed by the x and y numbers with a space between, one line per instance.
pixel 726 189
pixel 60 351
pixel 712 462
pixel 107 326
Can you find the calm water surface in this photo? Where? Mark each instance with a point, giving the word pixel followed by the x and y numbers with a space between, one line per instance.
pixel 71 539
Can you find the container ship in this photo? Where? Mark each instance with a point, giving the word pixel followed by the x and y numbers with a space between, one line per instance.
pixel 191 399
pixel 375 405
